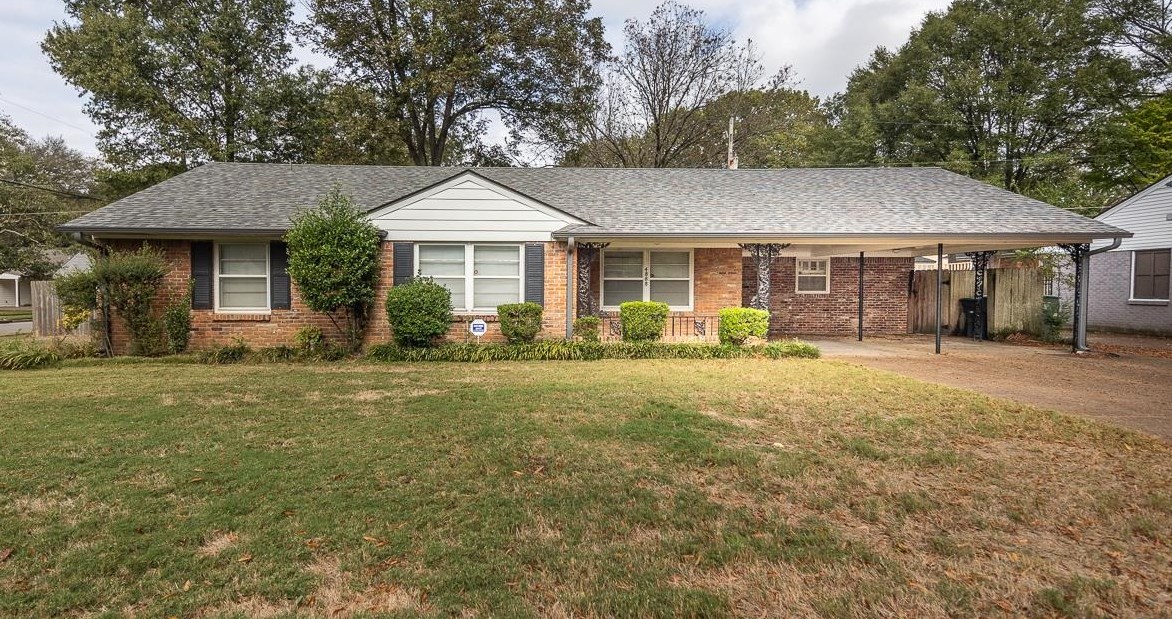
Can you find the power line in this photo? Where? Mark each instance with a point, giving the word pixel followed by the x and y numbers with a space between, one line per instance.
pixel 69 194
pixel 44 115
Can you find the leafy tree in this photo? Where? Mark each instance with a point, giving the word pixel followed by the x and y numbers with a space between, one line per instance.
pixel 651 108
pixel 333 260
pixel 43 183
pixel 178 82
pixel 776 126
pixel 1134 149
pixel 1003 90
pixel 430 69
pixel 1144 27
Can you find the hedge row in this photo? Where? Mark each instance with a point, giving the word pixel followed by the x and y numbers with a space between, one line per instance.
pixel 558 350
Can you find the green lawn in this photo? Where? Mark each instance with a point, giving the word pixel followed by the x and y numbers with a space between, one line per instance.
pixel 16 314
pixel 614 488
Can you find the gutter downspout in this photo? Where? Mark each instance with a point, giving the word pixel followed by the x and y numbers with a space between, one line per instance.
pixel 105 251
pixel 1080 337
pixel 570 296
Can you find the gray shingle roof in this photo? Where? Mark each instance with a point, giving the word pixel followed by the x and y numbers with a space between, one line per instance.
pixel 225 197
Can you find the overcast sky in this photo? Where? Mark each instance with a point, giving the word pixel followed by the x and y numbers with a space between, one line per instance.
pixel 823 40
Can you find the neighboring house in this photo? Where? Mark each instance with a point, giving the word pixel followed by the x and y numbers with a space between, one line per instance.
pixel 15 290
pixel 1129 284
pixel 581 241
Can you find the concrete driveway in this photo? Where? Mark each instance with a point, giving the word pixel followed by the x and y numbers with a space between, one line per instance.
pixel 1131 390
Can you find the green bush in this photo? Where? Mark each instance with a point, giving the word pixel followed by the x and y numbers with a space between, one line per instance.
pixel 274 354
pixel 561 350
pixel 177 324
pixel 520 322
pixel 419 311
pixel 130 281
pixel 738 324
pixel 333 260
pixel 588 328
pixel 642 321
pixel 309 339
pixel 27 356
pixel 235 352
pixel 77 290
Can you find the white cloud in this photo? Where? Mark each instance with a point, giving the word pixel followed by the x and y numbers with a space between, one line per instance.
pixel 824 40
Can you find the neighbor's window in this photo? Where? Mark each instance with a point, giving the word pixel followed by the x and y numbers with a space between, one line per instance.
pixel 1150 275
pixel 242 277
pixel 813 276
pixel 480 277
pixel 647 275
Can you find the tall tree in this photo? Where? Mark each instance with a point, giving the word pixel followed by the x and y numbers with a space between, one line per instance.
pixel 43 183
pixel 1002 89
pixel 1144 27
pixel 1134 148
pixel 178 82
pixel 432 68
pixel 651 108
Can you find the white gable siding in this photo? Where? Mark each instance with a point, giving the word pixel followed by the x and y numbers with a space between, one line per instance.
pixel 1147 216
pixel 469 209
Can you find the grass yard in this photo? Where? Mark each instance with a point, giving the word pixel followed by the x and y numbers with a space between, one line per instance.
pixel 14 314
pixel 615 488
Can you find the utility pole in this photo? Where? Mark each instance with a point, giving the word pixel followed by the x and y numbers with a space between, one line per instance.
pixel 732 156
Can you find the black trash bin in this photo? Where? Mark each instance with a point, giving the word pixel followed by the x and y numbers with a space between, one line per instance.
pixel 975 324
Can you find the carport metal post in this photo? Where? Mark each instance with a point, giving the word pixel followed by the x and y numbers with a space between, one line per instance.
pixel 939 286
pixel 860 296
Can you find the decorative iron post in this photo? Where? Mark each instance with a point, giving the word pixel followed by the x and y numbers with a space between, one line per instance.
pixel 763 255
pixel 587 298
pixel 980 268
pixel 1078 253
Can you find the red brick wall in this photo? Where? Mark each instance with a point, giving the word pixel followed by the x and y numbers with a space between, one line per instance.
pixel 280 326
pixel 885 283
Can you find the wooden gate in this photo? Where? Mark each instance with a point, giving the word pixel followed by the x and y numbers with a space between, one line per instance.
pixel 1014 303
pixel 47 313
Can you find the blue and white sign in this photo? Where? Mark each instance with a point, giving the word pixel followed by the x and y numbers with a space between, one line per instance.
pixel 478 327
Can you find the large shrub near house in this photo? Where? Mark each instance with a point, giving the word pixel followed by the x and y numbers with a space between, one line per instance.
pixel 642 321
pixel 738 324
pixel 129 283
pixel 520 322
pixel 419 311
pixel 333 261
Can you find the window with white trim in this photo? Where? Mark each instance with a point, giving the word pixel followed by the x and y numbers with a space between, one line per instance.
pixel 1150 274
pixel 647 275
pixel 813 276
pixel 480 276
pixel 242 277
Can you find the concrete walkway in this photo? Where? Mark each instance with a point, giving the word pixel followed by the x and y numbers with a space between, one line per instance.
pixel 1133 391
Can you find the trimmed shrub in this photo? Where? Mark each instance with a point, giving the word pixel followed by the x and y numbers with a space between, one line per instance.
pixel 642 321
pixel 419 311
pixel 560 350
pixel 77 291
pixel 130 281
pixel 738 324
pixel 520 322
pixel 588 328
pixel 177 324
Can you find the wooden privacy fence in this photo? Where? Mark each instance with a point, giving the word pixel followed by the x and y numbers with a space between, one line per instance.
pixel 47 313
pixel 1014 300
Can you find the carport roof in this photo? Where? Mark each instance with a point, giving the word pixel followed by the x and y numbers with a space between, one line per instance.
pixel 240 198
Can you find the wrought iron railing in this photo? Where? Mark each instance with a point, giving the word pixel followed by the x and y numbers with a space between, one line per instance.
pixel 680 327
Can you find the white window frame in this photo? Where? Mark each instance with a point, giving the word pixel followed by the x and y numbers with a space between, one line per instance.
pixel 646 278
pixel 1131 282
pixel 798 274
pixel 268 308
pixel 470 275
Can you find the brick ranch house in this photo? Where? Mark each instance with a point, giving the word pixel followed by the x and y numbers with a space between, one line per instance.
pixel 580 241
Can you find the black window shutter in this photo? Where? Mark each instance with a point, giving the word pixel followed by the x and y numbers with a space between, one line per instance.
pixel 279 292
pixel 535 273
pixel 403 256
pixel 202 275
